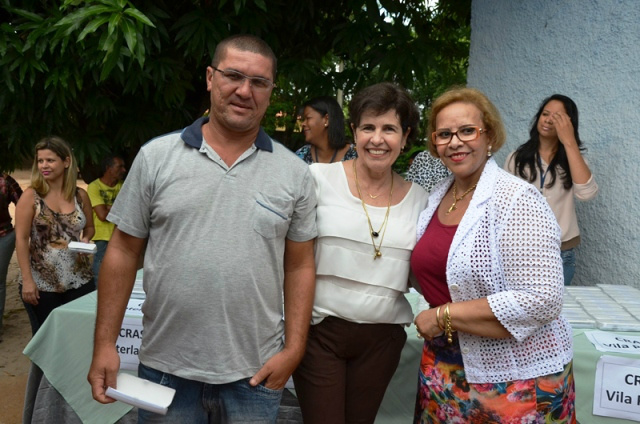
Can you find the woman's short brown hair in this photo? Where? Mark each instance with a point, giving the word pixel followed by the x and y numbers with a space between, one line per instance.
pixel 381 98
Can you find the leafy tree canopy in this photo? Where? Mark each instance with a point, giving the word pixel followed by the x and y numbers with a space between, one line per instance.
pixel 108 75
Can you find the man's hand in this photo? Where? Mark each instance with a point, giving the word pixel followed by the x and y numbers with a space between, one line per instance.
pixel 103 373
pixel 277 370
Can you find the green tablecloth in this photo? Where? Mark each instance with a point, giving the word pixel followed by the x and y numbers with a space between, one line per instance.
pixel 585 359
pixel 62 349
pixel 399 399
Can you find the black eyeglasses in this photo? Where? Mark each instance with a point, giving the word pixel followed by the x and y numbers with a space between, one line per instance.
pixel 236 79
pixel 470 133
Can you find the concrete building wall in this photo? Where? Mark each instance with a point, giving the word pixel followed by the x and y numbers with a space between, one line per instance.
pixel 589 50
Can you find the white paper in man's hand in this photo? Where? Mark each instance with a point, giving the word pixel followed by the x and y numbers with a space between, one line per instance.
pixel 142 393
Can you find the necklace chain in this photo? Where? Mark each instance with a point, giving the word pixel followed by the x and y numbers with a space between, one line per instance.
pixel 333 157
pixel 456 199
pixel 383 228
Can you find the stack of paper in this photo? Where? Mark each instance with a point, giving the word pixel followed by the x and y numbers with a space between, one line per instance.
pixel 142 393
pixel 605 306
pixel 78 246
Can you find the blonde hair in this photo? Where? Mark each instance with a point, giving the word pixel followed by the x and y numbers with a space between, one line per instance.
pixel 490 116
pixel 63 151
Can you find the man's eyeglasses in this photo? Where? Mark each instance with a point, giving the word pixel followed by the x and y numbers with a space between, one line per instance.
pixel 236 79
pixel 466 134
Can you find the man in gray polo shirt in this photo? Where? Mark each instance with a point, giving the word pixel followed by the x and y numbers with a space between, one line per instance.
pixel 228 216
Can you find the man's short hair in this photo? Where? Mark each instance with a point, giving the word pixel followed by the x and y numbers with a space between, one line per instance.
pixel 247 43
pixel 108 161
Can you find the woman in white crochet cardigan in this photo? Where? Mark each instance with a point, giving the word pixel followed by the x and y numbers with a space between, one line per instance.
pixel 488 262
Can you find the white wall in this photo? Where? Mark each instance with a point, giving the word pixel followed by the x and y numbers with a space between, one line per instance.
pixel 589 50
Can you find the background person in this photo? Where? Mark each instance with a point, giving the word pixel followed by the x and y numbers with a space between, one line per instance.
pixel 206 199
pixel 366 230
pixel 103 192
pixel 426 170
pixel 323 128
pixel 552 160
pixel 51 213
pixel 497 348
pixel 10 191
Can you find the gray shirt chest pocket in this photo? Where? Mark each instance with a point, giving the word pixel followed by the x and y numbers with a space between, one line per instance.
pixel 272 216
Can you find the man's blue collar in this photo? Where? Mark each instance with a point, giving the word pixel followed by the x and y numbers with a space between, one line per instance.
pixel 192 135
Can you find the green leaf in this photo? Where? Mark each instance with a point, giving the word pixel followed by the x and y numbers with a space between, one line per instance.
pixel 93 26
pixel 130 34
pixel 261 4
pixel 238 4
pixel 28 15
pixel 135 13
pixel 114 22
pixel 84 13
pixel 140 51
pixel 23 72
pixel 107 66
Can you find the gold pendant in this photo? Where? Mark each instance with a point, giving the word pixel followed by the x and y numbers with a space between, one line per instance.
pixel 452 208
pixel 377 255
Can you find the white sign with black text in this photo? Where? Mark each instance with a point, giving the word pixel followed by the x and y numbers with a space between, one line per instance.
pixel 130 337
pixel 617 388
pixel 606 341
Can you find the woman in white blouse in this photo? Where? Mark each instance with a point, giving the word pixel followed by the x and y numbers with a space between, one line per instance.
pixel 366 219
pixel 488 262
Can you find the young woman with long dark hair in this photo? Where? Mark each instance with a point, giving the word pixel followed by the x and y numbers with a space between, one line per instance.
pixel 552 160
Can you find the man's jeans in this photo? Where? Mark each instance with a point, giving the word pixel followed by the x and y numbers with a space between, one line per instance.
pixel 201 403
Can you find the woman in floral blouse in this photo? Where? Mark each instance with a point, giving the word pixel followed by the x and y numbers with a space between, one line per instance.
pixel 51 213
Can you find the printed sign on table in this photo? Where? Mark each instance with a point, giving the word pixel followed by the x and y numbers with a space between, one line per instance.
pixel 606 341
pixel 130 337
pixel 617 388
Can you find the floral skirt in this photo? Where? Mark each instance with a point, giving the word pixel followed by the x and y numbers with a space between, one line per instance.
pixel 445 396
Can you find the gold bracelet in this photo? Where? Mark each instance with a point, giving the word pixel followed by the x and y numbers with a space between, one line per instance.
pixel 448 329
pixel 440 326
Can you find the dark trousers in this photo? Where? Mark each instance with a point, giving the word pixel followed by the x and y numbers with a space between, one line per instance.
pixel 49 301
pixel 346 370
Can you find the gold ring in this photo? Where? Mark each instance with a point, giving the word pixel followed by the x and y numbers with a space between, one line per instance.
pixel 417 331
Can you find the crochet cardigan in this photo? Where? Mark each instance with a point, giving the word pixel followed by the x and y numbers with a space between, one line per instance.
pixel 507 249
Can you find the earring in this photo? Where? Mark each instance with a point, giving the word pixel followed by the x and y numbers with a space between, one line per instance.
pixel 489 154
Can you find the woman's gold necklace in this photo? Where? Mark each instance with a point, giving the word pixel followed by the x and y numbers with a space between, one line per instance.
pixel 456 199
pixel 383 227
